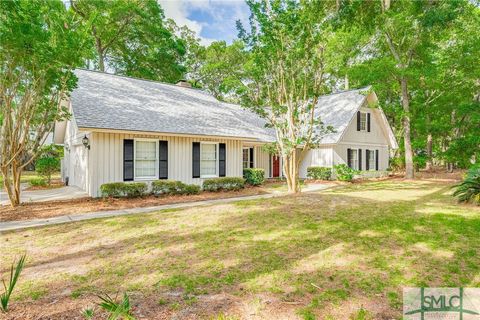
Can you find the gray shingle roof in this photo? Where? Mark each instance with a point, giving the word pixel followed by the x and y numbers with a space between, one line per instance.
pixel 338 109
pixel 106 101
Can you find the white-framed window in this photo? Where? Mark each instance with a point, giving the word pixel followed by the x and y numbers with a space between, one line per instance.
pixel 371 160
pixel 208 159
pixel 354 158
pixel 363 121
pixel 145 159
pixel 246 158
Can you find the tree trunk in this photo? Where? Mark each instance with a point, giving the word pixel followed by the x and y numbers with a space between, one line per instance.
pixel 409 170
pixel 290 168
pixel 11 184
pixel 429 166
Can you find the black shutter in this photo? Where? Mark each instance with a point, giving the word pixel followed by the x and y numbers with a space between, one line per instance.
pixel 349 157
pixel 359 159
pixel 196 160
pixel 163 159
pixel 368 122
pixel 222 158
pixel 358 120
pixel 376 159
pixel 367 159
pixel 128 160
pixel 251 157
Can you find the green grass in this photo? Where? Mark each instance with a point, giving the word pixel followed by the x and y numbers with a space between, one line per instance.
pixel 344 253
pixel 30 175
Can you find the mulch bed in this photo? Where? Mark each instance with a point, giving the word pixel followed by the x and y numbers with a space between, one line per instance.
pixel 39 210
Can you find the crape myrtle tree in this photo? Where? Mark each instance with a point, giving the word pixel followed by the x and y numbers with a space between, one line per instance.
pixel 39 47
pixel 286 75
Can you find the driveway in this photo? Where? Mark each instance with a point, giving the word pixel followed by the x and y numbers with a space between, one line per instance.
pixel 63 193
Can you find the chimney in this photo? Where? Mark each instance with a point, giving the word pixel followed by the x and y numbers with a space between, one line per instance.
pixel 184 83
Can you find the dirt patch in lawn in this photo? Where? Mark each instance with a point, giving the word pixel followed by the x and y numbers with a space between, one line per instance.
pixel 53 185
pixel 47 209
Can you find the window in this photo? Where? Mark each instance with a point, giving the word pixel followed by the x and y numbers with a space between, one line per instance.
pixel 354 158
pixel 363 121
pixel 246 158
pixel 208 160
pixel 146 157
pixel 371 159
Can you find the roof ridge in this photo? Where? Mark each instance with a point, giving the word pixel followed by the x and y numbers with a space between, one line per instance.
pixel 142 79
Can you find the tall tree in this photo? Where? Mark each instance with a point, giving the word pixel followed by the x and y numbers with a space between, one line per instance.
pixel 131 37
pixel 37 54
pixel 286 75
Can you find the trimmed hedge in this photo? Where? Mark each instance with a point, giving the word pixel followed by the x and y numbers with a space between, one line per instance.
pixel 224 183
pixel 123 189
pixel 344 172
pixel 172 187
pixel 319 173
pixel 254 176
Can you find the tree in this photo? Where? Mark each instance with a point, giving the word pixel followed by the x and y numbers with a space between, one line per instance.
pixel 398 56
pixel 286 75
pixel 132 38
pixel 46 166
pixel 36 74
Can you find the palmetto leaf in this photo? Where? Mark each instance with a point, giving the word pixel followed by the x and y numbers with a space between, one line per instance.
pixel 14 275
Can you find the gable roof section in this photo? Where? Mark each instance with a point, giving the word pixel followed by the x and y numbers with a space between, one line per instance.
pixel 106 101
pixel 339 109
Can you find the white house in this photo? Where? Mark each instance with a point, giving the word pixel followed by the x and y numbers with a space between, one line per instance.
pixel 127 129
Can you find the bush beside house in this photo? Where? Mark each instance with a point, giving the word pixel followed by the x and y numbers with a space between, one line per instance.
pixel 224 183
pixel 124 189
pixel 172 187
pixel 344 172
pixel 254 176
pixel 319 173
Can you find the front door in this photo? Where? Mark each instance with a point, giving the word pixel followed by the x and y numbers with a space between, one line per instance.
pixel 275 166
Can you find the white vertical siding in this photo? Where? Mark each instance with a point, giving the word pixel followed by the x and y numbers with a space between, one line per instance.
pixel 340 154
pixel 106 158
pixel 320 157
pixel 262 160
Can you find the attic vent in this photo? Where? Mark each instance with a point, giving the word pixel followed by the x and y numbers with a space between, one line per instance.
pixel 184 83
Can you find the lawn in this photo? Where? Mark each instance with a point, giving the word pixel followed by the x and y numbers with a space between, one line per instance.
pixel 27 176
pixel 340 254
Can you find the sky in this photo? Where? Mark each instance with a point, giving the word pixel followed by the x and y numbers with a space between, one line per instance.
pixel 212 20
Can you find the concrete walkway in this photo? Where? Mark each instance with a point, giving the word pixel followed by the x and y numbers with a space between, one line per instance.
pixel 23 224
pixel 63 193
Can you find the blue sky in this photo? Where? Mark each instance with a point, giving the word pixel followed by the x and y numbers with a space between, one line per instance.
pixel 211 19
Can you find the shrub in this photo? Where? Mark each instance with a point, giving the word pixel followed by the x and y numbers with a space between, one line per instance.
pixel 469 189
pixel 224 183
pixel 37 182
pixel 47 166
pixel 344 172
pixel 319 173
pixel 254 176
pixel 172 187
pixel 123 189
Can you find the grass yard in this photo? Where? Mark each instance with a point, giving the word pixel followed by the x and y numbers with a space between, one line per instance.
pixel 27 176
pixel 341 254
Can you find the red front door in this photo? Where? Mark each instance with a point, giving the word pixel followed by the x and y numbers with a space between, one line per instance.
pixel 275 166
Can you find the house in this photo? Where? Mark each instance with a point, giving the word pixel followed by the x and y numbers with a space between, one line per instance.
pixel 127 129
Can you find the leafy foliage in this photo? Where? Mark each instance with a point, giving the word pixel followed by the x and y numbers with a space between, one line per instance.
pixel 469 189
pixel 319 173
pixel 15 271
pixel 223 183
pixel 115 309
pixel 123 189
pixel 254 176
pixel 38 182
pixel 344 172
pixel 46 166
pixel 172 187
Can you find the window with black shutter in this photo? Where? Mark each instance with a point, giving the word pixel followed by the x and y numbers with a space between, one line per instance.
pixel 163 159
pixel 251 158
pixel 368 122
pixel 196 160
pixel 376 159
pixel 349 157
pixel 128 160
pixel 359 115
pixel 367 159
pixel 222 160
pixel 359 159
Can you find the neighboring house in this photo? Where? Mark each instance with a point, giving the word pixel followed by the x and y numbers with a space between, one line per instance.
pixel 126 129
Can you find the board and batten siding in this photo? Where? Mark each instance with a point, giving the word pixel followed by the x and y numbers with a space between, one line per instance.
pixel 319 157
pixel 340 154
pixel 106 158
pixel 262 160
